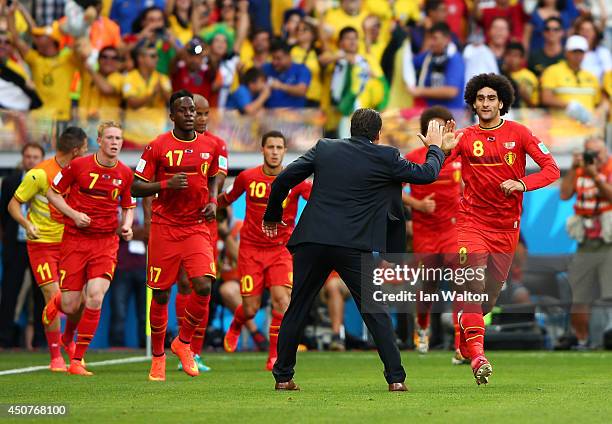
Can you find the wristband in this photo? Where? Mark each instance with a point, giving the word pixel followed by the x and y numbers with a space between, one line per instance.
pixel 163 184
pixel 213 200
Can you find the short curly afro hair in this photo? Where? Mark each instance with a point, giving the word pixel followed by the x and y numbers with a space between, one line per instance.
pixel 499 83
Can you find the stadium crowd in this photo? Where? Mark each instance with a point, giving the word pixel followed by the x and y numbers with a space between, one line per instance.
pixel 123 59
pixel 86 61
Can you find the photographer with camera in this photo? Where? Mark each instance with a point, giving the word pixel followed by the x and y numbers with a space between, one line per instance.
pixel 590 178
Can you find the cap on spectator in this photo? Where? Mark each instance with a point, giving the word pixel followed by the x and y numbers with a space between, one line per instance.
pixel 577 42
pixel 52 31
pixel 195 46
pixel 219 29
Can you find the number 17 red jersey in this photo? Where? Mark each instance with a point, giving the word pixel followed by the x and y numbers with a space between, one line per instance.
pixel 490 156
pixel 167 156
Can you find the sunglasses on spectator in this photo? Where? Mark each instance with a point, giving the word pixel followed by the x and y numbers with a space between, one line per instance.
pixel 552 28
pixel 5 41
pixel 151 55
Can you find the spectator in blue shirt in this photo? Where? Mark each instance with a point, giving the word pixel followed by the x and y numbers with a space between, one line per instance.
pixel 252 94
pixel 440 71
pixel 289 81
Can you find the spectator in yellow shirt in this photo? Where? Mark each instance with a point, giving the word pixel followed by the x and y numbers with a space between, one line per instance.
pixel 52 71
pixel 525 82
pixel 305 53
pixel 567 87
pixel 349 14
pixel 101 89
pixel 179 14
pixel 146 93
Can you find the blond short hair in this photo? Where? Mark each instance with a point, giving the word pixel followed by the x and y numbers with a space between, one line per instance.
pixel 107 124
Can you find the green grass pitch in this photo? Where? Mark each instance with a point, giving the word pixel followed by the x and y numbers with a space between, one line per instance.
pixel 539 387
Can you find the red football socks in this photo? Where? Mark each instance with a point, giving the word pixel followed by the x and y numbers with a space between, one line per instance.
pixel 86 330
pixel 457 330
pixel 473 326
pixel 179 305
pixel 57 301
pixel 53 339
pixel 69 330
pixel 158 318
pixel 197 340
pixel 194 313
pixel 239 319
pixel 275 323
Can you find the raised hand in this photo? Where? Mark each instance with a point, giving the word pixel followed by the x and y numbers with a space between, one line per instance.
pixel 449 138
pixel 434 134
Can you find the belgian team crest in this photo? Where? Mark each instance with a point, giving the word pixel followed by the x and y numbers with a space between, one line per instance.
pixel 204 168
pixel 510 158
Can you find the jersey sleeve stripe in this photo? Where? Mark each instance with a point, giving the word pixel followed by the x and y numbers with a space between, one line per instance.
pixel 18 199
pixel 142 178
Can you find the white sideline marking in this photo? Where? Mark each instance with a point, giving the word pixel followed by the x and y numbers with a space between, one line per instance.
pixel 94 364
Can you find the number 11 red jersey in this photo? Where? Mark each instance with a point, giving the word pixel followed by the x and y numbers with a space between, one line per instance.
pixel 488 158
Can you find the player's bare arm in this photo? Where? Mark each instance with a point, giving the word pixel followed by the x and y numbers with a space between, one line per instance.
pixel 127 219
pixel 80 219
pixel 425 205
pixel 141 188
pixel 210 210
pixel 14 208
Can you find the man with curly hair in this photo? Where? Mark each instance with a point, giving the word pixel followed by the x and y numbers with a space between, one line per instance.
pixel 493 156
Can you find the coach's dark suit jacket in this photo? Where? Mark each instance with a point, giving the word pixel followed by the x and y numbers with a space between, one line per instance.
pixel 356 197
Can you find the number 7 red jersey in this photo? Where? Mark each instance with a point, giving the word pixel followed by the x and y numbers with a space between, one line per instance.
pixel 490 157
pixel 257 185
pixel 97 191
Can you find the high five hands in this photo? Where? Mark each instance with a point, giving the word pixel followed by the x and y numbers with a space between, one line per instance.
pixel 442 136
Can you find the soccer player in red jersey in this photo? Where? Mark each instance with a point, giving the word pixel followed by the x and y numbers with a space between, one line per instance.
pixel 493 157
pixel 98 185
pixel 263 261
pixel 44 227
pixel 434 219
pixel 180 168
pixel 184 286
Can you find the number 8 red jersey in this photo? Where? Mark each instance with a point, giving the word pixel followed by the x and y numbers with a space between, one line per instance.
pixel 488 158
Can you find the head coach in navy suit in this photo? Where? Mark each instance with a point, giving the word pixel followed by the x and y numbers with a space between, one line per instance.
pixel 355 209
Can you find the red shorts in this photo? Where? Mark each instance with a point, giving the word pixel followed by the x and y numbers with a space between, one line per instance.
pixel 44 260
pixel 493 250
pixel 263 268
pixel 172 247
pixel 435 248
pixel 214 237
pixel 86 258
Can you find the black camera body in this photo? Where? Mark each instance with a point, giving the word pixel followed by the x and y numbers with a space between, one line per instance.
pixel 589 156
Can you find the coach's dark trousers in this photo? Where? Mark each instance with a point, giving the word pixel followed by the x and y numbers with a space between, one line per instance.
pixel 312 264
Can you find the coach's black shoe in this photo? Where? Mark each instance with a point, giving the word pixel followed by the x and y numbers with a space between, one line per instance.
pixel 287 385
pixel 398 387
